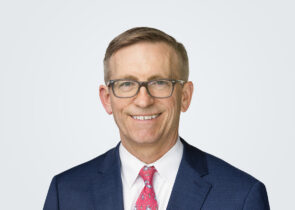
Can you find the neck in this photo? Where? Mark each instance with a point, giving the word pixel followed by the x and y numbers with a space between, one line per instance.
pixel 150 152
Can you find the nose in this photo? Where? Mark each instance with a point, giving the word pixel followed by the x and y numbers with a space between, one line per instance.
pixel 143 98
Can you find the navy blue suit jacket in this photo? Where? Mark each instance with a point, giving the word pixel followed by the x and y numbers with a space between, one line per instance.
pixel 202 182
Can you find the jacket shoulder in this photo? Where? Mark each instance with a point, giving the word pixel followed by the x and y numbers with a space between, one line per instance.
pixel 214 168
pixel 221 170
pixel 87 169
pixel 231 188
pixel 234 186
pixel 73 188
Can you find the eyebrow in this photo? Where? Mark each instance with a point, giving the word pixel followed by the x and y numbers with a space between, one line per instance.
pixel 154 77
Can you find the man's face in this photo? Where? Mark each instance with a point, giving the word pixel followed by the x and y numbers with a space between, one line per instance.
pixel 143 62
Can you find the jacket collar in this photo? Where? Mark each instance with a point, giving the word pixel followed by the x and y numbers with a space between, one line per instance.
pixel 107 187
pixel 189 191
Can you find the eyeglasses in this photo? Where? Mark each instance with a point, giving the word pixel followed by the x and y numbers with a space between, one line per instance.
pixel 161 88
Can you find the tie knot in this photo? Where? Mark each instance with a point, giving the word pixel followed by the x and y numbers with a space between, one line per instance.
pixel 147 174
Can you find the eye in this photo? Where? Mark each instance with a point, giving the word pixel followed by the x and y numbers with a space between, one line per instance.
pixel 162 82
pixel 126 84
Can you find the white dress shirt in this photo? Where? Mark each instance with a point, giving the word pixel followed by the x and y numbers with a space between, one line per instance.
pixel 163 180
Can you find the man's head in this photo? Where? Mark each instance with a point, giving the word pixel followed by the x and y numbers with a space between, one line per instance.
pixel 143 119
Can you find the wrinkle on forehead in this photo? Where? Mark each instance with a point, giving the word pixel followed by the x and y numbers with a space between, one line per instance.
pixel 145 57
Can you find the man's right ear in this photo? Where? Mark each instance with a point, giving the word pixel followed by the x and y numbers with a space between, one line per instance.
pixel 105 99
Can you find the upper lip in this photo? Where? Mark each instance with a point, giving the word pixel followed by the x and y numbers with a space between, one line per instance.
pixel 145 114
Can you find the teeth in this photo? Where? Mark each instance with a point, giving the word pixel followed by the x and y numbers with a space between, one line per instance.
pixel 145 117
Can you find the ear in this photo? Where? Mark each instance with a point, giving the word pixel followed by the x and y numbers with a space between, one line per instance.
pixel 187 92
pixel 104 95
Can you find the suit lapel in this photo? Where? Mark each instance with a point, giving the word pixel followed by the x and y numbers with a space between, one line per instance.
pixel 107 186
pixel 190 190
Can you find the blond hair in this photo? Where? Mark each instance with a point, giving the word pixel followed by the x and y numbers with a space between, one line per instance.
pixel 146 34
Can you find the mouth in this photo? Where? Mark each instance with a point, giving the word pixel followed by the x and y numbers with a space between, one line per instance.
pixel 145 117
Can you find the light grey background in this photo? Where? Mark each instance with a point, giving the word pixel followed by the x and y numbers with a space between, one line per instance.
pixel 241 62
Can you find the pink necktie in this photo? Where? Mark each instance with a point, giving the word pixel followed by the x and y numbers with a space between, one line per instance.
pixel 147 198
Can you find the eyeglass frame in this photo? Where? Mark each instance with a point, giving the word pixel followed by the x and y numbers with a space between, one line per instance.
pixel 144 84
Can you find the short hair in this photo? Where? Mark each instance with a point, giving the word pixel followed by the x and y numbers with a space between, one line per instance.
pixel 146 34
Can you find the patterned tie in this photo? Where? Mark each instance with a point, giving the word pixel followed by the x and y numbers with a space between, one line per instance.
pixel 147 198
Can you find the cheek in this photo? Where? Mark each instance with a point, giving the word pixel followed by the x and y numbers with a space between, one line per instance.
pixel 173 109
pixel 118 107
pixel 176 103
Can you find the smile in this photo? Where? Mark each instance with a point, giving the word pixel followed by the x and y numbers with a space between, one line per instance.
pixel 146 117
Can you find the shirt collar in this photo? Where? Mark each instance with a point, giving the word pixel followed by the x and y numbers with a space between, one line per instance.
pixel 167 166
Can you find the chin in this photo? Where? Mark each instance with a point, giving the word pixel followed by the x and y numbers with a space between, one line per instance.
pixel 144 138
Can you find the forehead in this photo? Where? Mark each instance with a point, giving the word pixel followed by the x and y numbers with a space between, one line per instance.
pixel 144 61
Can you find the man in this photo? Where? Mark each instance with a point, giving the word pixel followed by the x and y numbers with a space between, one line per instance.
pixel 147 87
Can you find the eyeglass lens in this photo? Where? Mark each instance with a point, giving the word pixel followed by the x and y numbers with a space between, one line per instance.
pixel 156 88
